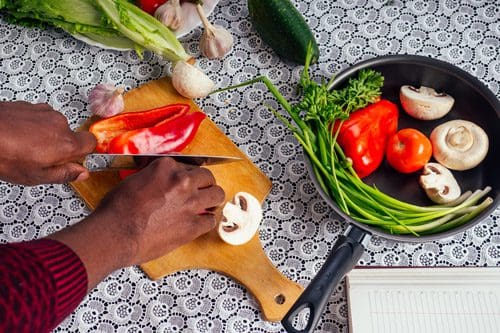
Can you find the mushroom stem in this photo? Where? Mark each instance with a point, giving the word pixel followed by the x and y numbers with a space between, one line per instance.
pixel 460 138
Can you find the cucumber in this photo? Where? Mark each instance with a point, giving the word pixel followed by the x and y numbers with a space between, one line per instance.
pixel 283 28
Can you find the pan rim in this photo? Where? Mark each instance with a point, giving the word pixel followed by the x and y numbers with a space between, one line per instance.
pixel 440 65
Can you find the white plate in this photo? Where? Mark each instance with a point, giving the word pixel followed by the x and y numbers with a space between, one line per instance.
pixel 191 21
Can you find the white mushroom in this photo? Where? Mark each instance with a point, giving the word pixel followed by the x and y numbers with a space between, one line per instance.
pixel 439 184
pixel 425 103
pixel 240 219
pixel 459 144
pixel 190 81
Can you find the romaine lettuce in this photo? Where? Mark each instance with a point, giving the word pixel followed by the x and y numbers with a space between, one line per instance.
pixel 114 23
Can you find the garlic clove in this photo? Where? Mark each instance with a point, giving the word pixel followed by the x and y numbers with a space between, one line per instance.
pixel 216 42
pixel 190 81
pixel 105 100
pixel 170 14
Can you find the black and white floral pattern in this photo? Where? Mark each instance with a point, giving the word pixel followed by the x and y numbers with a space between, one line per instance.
pixel 298 227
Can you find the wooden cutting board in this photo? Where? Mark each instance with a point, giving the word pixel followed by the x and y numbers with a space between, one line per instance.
pixel 247 263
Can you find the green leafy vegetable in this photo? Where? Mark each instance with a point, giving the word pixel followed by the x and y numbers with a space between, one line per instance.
pixel 115 23
pixel 312 123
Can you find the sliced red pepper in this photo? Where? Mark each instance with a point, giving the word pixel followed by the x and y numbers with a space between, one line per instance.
pixel 363 136
pixel 106 129
pixel 171 135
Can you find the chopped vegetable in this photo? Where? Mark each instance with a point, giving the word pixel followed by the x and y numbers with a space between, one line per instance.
pixel 439 184
pixel 170 135
pixel 161 130
pixel 363 136
pixel 241 219
pixel 106 129
pixel 408 150
pixel 425 103
pixel 313 118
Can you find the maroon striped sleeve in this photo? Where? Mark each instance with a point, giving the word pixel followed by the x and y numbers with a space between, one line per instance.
pixel 41 283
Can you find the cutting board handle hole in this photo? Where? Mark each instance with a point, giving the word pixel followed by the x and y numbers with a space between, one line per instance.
pixel 280 299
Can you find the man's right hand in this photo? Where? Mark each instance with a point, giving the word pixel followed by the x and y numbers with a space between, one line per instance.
pixel 147 215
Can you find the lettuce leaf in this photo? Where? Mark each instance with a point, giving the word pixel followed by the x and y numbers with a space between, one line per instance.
pixel 114 23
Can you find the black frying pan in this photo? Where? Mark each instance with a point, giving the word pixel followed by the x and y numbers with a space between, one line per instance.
pixel 473 102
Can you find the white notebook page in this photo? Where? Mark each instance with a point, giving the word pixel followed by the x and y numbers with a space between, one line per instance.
pixel 417 300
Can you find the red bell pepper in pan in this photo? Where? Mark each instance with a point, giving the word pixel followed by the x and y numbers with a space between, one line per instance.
pixel 106 129
pixel 363 136
pixel 171 135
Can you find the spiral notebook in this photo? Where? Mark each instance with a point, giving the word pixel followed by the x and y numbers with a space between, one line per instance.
pixel 430 300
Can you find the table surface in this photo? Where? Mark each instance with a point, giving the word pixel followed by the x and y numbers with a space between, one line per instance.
pixel 298 227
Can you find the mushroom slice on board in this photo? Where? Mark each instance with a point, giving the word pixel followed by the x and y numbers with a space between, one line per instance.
pixel 459 144
pixel 439 184
pixel 425 103
pixel 240 219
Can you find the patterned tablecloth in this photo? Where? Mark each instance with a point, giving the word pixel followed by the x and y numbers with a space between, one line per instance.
pixel 298 229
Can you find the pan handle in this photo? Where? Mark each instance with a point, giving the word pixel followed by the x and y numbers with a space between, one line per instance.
pixel 343 257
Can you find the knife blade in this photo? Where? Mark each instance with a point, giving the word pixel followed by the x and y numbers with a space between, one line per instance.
pixel 105 162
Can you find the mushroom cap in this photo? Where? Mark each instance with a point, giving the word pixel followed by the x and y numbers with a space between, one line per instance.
pixel 439 184
pixel 459 144
pixel 425 103
pixel 240 219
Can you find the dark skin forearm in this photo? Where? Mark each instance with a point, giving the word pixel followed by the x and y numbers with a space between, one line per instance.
pixel 146 216
pixel 100 250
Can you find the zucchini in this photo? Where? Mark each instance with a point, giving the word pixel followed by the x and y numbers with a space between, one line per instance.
pixel 283 28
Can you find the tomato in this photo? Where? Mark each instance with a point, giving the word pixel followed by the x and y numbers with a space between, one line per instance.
pixel 149 6
pixel 408 150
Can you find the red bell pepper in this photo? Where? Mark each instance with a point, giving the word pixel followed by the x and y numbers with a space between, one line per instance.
pixel 363 136
pixel 106 129
pixel 170 135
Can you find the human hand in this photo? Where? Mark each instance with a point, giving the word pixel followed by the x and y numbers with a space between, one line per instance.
pixel 150 213
pixel 38 147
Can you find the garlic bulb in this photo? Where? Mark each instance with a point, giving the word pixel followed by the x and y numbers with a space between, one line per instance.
pixel 216 41
pixel 106 100
pixel 191 82
pixel 170 14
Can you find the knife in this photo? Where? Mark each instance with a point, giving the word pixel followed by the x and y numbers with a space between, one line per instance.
pixel 108 162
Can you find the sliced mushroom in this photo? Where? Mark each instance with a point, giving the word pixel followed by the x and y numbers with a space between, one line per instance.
pixel 439 184
pixel 459 144
pixel 425 103
pixel 240 219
